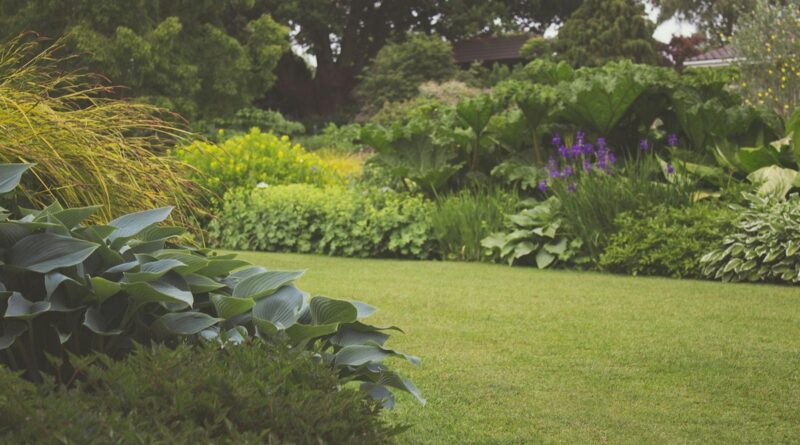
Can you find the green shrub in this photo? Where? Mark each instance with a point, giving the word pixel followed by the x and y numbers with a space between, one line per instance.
pixel 73 289
pixel 461 220
pixel 536 234
pixel 250 394
pixel 666 241
pixel 763 245
pixel 330 220
pixel 253 158
pixel 243 120
pixel 338 138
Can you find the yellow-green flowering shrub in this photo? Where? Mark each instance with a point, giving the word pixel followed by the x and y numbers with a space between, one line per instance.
pixel 255 158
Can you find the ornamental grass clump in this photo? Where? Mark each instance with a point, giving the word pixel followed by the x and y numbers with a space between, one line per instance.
pixel 90 149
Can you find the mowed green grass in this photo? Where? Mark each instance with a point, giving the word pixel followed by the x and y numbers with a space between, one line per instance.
pixel 519 356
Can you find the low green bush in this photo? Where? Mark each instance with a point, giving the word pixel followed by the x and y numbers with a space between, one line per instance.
pixel 763 244
pixel 331 220
pixel 666 241
pixel 253 158
pixel 242 121
pixel 536 235
pixel 70 289
pixel 251 394
pixel 461 220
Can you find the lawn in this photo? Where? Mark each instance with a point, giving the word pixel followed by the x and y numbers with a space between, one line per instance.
pixel 516 355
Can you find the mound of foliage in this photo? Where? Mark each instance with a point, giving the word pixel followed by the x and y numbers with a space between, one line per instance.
pixel 69 288
pixel 763 244
pixel 90 149
pixel 254 158
pixel 329 220
pixel 242 121
pixel 666 241
pixel 254 393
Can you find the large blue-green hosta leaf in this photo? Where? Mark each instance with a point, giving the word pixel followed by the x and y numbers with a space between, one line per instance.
pixel 46 252
pixel 130 225
pixel 325 310
pixel 357 355
pixel 11 330
pixel 280 310
pixel 10 175
pixel 229 307
pixel 184 323
pixel 153 270
pixel 262 284
pixel 22 308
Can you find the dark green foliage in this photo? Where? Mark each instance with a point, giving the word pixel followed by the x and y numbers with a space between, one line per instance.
pixel 461 220
pixel 251 394
pixel 268 121
pixel 763 244
pixel 330 220
pixel 343 138
pixel 400 68
pixel 600 31
pixel 72 289
pixel 666 241
pixel 200 58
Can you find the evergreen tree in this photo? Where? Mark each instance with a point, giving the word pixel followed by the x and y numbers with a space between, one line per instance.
pixel 600 31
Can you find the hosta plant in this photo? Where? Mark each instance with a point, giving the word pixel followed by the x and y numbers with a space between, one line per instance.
pixel 536 232
pixel 69 288
pixel 764 244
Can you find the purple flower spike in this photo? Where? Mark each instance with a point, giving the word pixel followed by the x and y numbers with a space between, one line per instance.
pixel 556 139
pixel 601 142
pixel 612 158
pixel 572 187
pixel 563 151
pixel 567 172
pixel 579 137
pixel 542 186
pixel 670 168
pixel 672 140
pixel 644 145
pixel 554 173
pixel 588 149
pixel 587 165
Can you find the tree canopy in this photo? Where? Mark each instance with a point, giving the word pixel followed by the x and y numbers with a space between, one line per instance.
pixel 600 31
pixel 202 58
pixel 716 18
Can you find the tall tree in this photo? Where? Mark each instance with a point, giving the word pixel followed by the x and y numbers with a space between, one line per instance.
pixel 603 30
pixel 202 58
pixel 715 18
pixel 345 35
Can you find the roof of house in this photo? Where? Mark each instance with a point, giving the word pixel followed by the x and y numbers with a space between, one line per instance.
pixel 489 48
pixel 716 57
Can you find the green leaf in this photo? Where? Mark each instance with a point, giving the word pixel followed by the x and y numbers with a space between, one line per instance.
pixel 544 259
pixel 754 158
pixel 130 225
pixel 219 267
pixel 263 284
pixel 153 270
pixel 281 310
pixel 167 289
pixel 325 310
pixel 45 252
pixel 20 307
pixel 74 216
pixel 184 323
pixel 54 279
pixel 349 334
pixel 299 332
pixel 364 309
pixel 10 175
pixel 774 180
pixel 103 289
pixel 94 320
pixel 229 307
pixel 379 393
pixel 200 284
pixel 357 355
